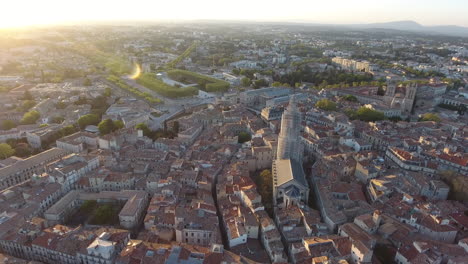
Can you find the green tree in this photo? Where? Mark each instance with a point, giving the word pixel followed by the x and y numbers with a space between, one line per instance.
pixel 106 126
pixel 118 124
pixel 86 120
pixel 430 117
pixel 144 128
pixel 276 84
pixel 28 104
pixel 103 215
pixel 88 206
pixel 265 181
pixel 243 137
pixel 369 115
pixel 30 117
pixel 8 124
pixel 57 119
pixel 350 98
pixel 87 82
pixel 326 105
pixel 260 83
pixel 245 82
pixel 6 151
pixel 107 92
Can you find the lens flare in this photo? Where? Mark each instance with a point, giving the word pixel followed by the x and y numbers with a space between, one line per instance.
pixel 136 72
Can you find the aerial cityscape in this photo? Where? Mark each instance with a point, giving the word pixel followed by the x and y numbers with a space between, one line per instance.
pixel 220 141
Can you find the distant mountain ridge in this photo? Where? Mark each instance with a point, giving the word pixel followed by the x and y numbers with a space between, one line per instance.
pixel 409 25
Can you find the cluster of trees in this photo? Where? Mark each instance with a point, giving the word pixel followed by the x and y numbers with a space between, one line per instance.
pixel 243 137
pixel 461 109
pixel 220 54
pixel 148 97
pixel 30 117
pixel 311 60
pixel 57 119
pixel 246 82
pixel 365 114
pixel 350 98
pixel 326 105
pixel 279 84
pixel 104 215
pixel 88 207
pixel 204 82
pixel 453 83
pixel 88 120
pixel 108 126
pixel 322 79
pixel 8 124
pixel 422 74
pixel 6 151
pixel 182 56
pixel 63 132
pixel 152 83
pixel 260 83
pixel 458 185
pixel 430 117
pixel 264 182
pixel 160 133
pixel 302 50
pixel 103 60
pixel 21 147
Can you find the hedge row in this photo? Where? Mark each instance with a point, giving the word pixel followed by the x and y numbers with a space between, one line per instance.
pixel 148 97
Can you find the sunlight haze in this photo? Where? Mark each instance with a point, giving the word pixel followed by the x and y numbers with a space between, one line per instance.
pixel 430 12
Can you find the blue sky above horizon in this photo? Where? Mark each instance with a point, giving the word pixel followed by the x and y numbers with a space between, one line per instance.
pixel 426 12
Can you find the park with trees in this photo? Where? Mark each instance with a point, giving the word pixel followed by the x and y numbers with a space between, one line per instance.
pixel 151 82
pixel 121 84
pixel 204 82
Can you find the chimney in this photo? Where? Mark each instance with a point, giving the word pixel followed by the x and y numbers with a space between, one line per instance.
pixel 377 217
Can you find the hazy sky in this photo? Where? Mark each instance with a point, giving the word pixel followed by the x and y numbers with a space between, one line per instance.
pixel 427 12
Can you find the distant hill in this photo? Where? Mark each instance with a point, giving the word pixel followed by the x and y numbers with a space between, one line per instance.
pixel 409 25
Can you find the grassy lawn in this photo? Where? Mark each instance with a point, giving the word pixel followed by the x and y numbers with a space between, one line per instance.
pixel 204 82
pixel 148 97
pixel 151 82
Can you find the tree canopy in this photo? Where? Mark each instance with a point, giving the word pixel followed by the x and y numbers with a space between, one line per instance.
pixel 8 124
pixel 430 117
pixel 350 98
pixel 244 137
pixel 30 117
pixel 326 105
pixel 87 120
pixel 245 82
pixel 107 126
pixel 365 114
pixel 6 151
pixel 144 128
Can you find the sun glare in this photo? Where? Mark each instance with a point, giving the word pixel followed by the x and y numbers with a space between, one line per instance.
pixel 136 72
